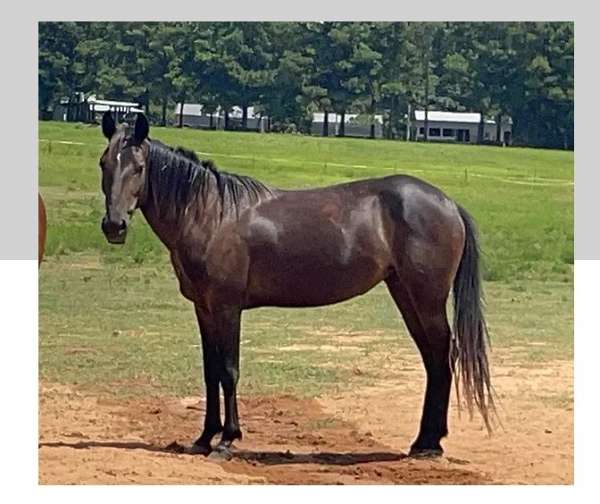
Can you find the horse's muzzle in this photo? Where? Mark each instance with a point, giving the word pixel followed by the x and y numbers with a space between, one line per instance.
pixel 115 232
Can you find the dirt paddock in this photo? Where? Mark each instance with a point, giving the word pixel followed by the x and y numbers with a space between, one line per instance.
pixel 357 437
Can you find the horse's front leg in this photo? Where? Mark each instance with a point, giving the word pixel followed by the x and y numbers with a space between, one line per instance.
pixel 228 322
pixel 220 329
pixel 212 376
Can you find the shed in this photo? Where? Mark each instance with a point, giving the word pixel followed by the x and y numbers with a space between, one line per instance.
pixel 355 125
pixel 460 127
pixel 196 116
pixel 79 108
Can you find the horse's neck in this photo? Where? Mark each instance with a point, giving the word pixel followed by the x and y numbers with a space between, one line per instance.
pixel 202 218
pixel 200 221
pixel 159 226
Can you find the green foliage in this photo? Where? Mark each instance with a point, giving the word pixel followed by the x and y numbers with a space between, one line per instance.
pixel 289 70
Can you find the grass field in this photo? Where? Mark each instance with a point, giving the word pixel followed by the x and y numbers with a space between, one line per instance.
pixel 112 317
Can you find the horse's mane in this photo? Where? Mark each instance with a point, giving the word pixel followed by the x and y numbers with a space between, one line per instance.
pixel 177 178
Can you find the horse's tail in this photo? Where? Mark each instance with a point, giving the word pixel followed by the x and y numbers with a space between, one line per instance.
pixel 471 338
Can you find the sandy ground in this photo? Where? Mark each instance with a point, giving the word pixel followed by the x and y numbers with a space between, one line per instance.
pixel 352 438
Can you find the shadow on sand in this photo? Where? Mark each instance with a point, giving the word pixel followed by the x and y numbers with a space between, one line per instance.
pixel 262 457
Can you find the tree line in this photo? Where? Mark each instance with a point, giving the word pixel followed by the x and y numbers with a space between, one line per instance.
pixel 288 70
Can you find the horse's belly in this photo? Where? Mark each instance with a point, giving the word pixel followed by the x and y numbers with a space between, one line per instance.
pixel 317 254
pixel 303 281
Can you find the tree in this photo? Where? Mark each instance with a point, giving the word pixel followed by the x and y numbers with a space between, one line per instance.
pixel 250 69
pixel 427 36
pixel 478 70
pixel 160 54
pixel 333 84
pixel 287 94
pixel 56 77
pixel 321 80
pixel 399 74
pixel 343 37
pixel 544 115
pixel 290 70
pixel 367 66
pixel 185 70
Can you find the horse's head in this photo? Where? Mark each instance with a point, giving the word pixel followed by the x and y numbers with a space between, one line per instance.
pixel 124 168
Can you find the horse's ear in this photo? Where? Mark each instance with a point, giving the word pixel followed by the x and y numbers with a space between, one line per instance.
pixel 108 125
pixel 141 129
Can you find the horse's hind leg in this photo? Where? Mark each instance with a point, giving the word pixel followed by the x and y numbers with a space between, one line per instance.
pixel 425 316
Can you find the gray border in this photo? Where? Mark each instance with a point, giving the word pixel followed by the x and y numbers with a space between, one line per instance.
pixel 587 171
pixel 18 37
pixel 18 131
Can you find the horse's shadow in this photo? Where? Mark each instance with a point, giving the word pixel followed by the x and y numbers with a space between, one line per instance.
pixel 124 445
pixel 258 456
pixel 324 458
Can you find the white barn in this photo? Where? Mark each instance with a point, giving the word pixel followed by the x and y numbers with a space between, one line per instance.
pixel 119 108
pixel 90 109
pixel 459 127
pixel 195 116
pixel 353 125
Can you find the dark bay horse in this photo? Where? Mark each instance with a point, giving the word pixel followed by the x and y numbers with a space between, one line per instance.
pixel 237 243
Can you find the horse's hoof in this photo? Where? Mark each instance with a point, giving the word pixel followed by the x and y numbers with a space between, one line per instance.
pixel 198 449
pixel 220 454
pixel 425 453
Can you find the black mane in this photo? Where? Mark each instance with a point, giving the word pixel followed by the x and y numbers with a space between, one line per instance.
pixel 188 153
pixel 178 178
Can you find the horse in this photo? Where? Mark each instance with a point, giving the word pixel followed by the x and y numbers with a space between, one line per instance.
pixel 41 228
pixel 237 244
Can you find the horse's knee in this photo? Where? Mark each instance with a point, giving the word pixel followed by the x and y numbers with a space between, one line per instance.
pixel 230 377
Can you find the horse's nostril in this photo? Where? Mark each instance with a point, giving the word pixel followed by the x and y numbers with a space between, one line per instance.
pixel 111 227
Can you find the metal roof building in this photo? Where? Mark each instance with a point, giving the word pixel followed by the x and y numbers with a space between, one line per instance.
pixel 460 127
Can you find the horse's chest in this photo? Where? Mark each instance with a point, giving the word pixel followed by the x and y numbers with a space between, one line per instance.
pixel 186 285
pixel 218 270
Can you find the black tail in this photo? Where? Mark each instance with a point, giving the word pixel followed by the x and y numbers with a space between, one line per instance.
pixel 471 339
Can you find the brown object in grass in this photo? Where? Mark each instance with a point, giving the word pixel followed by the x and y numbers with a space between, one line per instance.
pixel 41 228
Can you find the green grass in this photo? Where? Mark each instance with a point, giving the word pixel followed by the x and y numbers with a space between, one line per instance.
pixel 526 230
pixel 113 316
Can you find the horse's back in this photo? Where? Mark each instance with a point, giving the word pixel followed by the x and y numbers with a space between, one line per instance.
pixel 413 205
